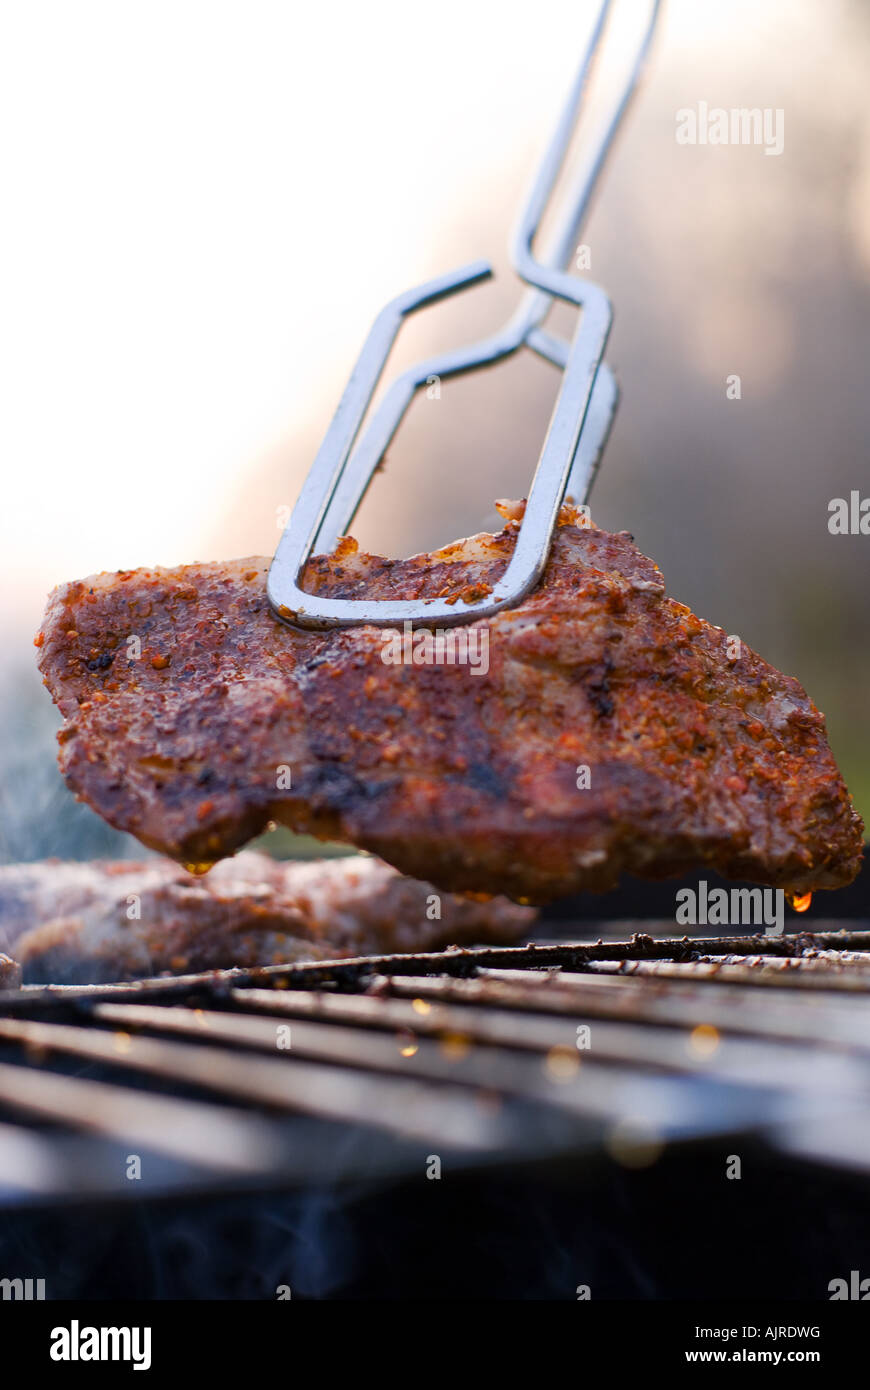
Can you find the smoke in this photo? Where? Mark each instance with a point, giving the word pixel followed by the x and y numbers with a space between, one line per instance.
pixel 39 816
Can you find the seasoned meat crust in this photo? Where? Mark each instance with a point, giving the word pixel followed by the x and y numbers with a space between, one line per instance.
pixel 71 923
pixel 189 708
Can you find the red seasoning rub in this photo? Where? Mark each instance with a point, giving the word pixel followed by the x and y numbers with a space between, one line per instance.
pixel 608 729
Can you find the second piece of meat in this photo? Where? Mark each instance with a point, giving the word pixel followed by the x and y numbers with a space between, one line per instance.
pixel 72 923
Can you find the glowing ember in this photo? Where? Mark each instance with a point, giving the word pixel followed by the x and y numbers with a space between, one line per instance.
pixel 562 1063
pixel 799 902
pixel 454 1046
pixel 704 1040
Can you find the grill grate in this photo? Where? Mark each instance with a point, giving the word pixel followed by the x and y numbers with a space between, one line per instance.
pixel 367 1068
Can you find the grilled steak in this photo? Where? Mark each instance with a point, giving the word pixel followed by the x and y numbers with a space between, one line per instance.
pixel 81 923
pixel 607 730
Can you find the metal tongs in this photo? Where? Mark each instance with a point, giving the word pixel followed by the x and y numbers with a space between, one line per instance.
pixel 578 429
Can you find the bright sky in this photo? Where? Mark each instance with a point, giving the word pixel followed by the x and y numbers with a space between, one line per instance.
pixel 186 185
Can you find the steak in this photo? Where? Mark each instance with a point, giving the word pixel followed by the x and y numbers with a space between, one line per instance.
pixel 607 730
pixel 71 923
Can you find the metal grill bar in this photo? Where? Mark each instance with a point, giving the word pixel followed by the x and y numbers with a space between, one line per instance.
pixel 680 1003
pixel 460 1057
pixel 205 1135
pixel 474 1052
pixel 847 971
pixel 758 1062
pixel 349 973
pixel 332 1092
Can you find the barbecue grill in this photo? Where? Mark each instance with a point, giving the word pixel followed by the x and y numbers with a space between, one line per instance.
pixel 376 1072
